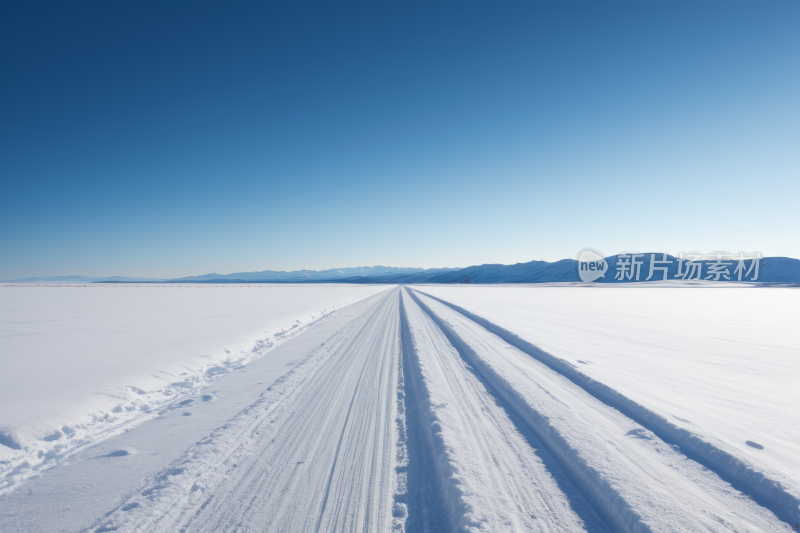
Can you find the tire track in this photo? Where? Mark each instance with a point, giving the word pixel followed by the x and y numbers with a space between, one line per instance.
pixel 432 505
pixel 767 492
pixel 493 473
pixel 634 480
pixel 318 456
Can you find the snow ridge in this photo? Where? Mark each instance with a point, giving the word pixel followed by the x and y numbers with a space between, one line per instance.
pixel 436 504
pixel 767 492
pixel 400 482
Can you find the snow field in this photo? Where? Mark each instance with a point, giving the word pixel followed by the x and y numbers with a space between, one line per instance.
pixel 409 412
pixel 634 480
pixel 706 369
pixel 82 363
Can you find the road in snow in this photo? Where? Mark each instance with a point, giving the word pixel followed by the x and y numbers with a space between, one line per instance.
pixel 400 412
pixel 494 471
pixel 315 452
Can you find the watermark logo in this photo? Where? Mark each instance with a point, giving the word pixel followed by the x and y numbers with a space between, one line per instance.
pixel 718 265
pixel 591 264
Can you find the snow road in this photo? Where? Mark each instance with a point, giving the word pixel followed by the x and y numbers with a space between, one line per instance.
pixel 400 413
pixel 492 467
pixel 315 453
pixel 635 481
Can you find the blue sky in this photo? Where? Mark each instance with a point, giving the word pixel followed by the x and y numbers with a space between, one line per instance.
pixel 162 139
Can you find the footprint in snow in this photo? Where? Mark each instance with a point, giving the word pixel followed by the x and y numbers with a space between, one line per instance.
pixel 640 433
pixel 55 436
pixel 118 453
pixel 153 490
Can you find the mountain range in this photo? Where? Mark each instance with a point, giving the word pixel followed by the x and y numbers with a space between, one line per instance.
pixel 296 276
pixel 770 270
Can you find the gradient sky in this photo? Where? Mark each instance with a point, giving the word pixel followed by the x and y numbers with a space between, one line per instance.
pixel 171 138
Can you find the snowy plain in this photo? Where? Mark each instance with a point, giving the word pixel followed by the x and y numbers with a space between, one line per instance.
pixel 96 358
pixel 447 408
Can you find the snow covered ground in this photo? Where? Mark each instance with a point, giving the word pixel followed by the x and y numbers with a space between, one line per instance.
pixel 442 408
pixel 87 361
pixel 721 363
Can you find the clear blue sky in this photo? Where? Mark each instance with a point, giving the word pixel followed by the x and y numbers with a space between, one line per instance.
pixel 170 138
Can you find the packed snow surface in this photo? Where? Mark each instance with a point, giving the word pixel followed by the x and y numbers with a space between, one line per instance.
pixel 430 408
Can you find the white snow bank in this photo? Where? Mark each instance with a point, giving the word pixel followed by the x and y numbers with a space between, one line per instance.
pixel 85 361
pixel 720 363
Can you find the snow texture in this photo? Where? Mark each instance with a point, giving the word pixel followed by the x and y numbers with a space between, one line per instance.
pixel 83 362
pixel 475 409
pixel 705 369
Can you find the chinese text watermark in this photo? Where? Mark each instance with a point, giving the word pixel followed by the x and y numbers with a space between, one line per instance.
pixel 634 266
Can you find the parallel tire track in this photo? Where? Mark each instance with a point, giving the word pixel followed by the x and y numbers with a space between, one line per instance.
pixel 767 492
pixel 319 456
pixel 633 486
pixel 432 505
pixel 604 497
pixel 495 475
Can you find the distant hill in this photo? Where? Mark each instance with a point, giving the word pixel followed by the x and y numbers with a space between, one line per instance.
pixel 299 276
pixel 81 279
pixel 771 270
pixel 296 276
